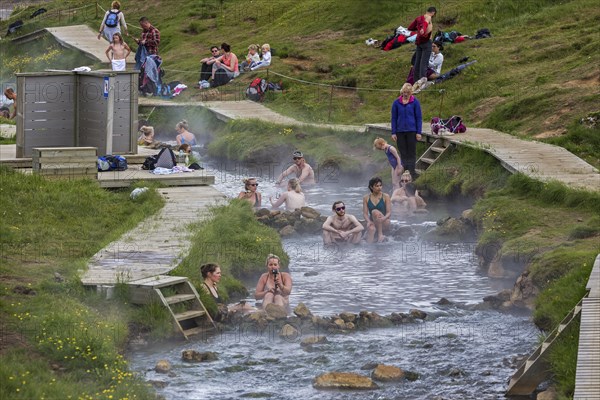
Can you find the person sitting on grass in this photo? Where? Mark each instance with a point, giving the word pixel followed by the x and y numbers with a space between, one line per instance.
pixel 251 59
pixel 227 62
pixel 266 57
pixel 207 63
pixel 341 227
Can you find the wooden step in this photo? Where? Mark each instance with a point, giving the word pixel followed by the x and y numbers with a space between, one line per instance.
pixel 437 149
pixel 189 315
pixel 427 160
pixel 196 331
pixel 159 281
pixel 179 298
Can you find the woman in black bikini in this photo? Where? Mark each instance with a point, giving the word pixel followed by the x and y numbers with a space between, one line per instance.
pixel 211 273
pixel 250 193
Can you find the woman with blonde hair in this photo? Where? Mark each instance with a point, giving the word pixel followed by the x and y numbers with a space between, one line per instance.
pixel 112 21
pixel 393 158
pixel 274 286
pixel 184 135
pixel 407 122
pixel 293 198
pixel 250 193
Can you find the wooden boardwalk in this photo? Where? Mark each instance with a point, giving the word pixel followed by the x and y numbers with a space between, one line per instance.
pixel 157 244
pixel 535 159
pixel 587 379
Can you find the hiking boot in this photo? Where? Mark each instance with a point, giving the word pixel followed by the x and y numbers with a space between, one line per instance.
pixel 418 84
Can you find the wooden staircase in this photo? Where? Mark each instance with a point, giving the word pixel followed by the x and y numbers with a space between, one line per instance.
pixel 432 154
pixel 179 296
pixel 535 369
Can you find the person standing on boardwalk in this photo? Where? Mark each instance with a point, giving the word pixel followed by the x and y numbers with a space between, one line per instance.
pixel 423 26
pixel 117 53
pixel 407 123
pixel 112 21
pixel 150 38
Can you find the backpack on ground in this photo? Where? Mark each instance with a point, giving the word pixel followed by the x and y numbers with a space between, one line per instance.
pixel 256 90
pixel 112 19
pixel 112 163
pixel 150 163
pixel 448 126
pixel 165 159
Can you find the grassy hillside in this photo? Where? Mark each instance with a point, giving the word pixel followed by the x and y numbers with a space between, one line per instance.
pixel 535 78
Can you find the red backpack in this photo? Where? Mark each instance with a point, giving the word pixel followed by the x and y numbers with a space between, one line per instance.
pixel 256 90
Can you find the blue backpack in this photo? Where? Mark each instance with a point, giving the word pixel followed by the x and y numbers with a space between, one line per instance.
pixel 112 163
pixel 112 19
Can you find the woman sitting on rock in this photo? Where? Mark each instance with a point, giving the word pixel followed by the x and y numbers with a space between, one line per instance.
pixel 293 198
pixel 377 211
pixel 274 286
pixel 250 193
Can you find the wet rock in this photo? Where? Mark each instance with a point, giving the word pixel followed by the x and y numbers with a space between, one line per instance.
pixel 369 366
pixel 455 372
pixel 162 367
pixel 302 311
pixel 549 394
pixel 197 356
pixel 263 212
pixel 159 384
pixel 403 233
pixel 259 317
pixel 498 299
pixel 309 212
pixel 418 314
pixel 387 373
pixel 275 311
pixel 311 273
pixel 344 380
pixel 264 219
pixel 427 345
pixel 524 292
pixel 350 326
pixel 348 316
pixel 287 230
pixel 289 332
pixel 467 215
pixel 257 395
pixel 275 213
pixel 320 321
pixel 455 228
pixel 312 340
pixel 411 375
pixel 339 323
pixel 235 368
pixel 443 302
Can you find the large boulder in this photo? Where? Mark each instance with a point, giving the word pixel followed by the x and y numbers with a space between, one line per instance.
pixel 312 340
pixel 163 367
pixel 287 230
pixel 302 311
pixel 276 311
pixel 386 373
pixel 344 380
pixel 309 212
pixel 289 332
pixel 198 356
pixel 263 212
pixel 348 316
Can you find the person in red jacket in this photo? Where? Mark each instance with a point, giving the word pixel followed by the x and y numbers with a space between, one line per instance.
pixel 423 26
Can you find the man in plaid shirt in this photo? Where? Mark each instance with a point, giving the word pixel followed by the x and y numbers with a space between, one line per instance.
pixel 150 36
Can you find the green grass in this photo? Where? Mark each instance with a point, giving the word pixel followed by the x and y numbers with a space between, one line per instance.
pixel 63 340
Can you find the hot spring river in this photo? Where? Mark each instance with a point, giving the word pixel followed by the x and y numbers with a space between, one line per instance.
pixel 461 354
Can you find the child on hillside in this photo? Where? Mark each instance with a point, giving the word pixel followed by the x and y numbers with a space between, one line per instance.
pixel 118 48
pixel 266 58
pixel 251 59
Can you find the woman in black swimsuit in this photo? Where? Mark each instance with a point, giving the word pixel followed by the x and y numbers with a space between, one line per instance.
pixel 250 193
pixel 211 273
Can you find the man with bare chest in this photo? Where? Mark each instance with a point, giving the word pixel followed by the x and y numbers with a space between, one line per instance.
pixel 340 228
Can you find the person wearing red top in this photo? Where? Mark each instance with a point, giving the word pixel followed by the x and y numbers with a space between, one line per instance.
pixel 423 26
pixel 150 36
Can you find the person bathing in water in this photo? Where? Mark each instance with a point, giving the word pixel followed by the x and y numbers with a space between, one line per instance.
pixel 119 53
pixel 377 210
pixel 340 227
pixel 274 286
pixel 303 171
pixel 293 198
pixel 251 193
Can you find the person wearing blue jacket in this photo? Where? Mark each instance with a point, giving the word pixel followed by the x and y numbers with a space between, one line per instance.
pixel 407 122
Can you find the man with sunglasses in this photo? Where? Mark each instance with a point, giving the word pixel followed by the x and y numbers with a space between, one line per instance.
pixel 207 62
pixel 340 228
pixel 302 170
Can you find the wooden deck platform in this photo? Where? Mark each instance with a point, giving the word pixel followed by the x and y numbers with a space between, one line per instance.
pixel 535 159
pixel 157 244
pixel 117 179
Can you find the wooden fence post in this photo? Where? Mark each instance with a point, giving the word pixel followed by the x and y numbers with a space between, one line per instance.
pixel 330 103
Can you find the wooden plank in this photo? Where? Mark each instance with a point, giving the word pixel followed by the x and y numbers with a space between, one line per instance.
pixel 158 281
